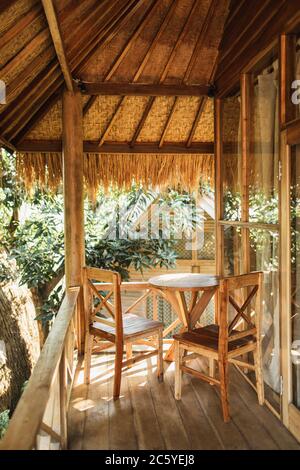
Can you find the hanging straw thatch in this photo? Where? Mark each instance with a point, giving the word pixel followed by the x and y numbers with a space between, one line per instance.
pixel 120 171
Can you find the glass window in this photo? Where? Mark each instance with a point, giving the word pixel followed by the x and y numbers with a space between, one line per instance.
pixel 263 161
pixel 232 251
pixel 232 161
pixel 295 271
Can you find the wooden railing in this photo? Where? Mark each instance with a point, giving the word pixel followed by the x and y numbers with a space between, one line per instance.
pixel 40 418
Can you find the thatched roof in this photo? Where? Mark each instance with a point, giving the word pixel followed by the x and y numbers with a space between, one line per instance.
pixel 170 42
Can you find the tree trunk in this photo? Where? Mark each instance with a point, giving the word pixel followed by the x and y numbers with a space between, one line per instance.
pixel 19 338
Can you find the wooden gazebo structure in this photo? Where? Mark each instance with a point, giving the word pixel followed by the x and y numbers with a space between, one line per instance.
pixel 91 85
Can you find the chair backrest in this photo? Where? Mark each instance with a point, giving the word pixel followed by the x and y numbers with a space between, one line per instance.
pixel 102 294
pixel 246 318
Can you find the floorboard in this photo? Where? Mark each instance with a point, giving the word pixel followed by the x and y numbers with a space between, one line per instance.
pixel 148 417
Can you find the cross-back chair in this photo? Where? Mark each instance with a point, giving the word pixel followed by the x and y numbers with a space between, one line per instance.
pixel 229 339
pixel 105 321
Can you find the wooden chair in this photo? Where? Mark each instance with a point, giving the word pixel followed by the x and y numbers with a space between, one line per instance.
pixel 105 320
pixel 224 342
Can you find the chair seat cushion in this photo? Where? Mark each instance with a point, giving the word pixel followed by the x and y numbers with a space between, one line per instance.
pixel 208 336
pixel 133 325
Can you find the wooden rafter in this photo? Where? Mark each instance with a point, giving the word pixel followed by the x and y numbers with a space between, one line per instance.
pixel 42 112
pixel 6 144
pixel 89 104
pixel 196 51
pixel 33 113
pixel 164 74
pixel 167 124
pixel 142 89
pixel 5 4
pixel 32 100
pixel 196 121
pixel 116 23
pixel 142 65
pixel 117 62
pixel 200 109
pixel 20 25
pixel 41 81
pixel 145 18
pixel 201 38
pixel 118 147
pixel 59 46
pixel 14 111
pixel 25 53
pixel 142 121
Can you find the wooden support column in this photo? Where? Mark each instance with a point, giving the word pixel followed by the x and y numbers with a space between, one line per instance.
pixel 246 92
pixel 73 198
pixel 219 197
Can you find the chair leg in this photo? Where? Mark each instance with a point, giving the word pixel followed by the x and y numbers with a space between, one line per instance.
pixel 118 370
pixel 178 353
pixel 212 368
pixel 160 364
pixel 223 371
pixel 129 352
pixel 259 376
pixel 87 357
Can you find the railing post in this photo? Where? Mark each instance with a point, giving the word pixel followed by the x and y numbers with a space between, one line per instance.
pixel 63 400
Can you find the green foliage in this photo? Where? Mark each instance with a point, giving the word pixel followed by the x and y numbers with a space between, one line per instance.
pixel 4 420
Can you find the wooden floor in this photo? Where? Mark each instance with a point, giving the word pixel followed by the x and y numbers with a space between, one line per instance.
pixel 148 417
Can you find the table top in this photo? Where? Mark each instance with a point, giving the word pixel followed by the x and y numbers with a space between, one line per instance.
pixel 184 281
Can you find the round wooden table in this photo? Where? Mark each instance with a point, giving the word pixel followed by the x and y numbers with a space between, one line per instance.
pixel 172 287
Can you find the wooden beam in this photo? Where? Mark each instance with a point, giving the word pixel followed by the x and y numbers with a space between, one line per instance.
pixel 6 144
pixel 59 47
pixel 142 89
pixel 72 152
pixel 20 25
pixel 73 188
pixel 32 146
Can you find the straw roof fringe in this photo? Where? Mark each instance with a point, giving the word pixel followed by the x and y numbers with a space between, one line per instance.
pixel 118 171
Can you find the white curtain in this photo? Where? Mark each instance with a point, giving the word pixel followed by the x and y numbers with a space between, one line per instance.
pixel 264 180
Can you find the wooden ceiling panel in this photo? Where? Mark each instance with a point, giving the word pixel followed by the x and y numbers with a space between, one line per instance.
pixel 131 63
pixel 51 126
pixel 98 68
pixel 205 61
pixel 205 129
pixel 164 48
pixel 12 10
pixel 185 50
pixel 156 120
pixel 98 116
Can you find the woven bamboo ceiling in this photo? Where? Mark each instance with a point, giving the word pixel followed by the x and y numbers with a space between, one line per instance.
pixel 148 46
